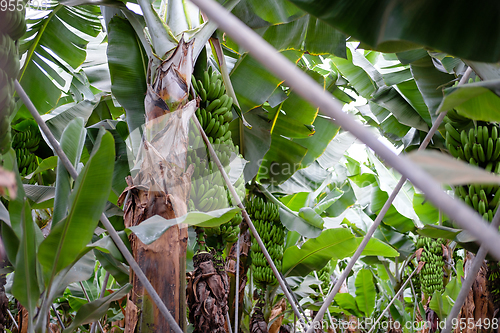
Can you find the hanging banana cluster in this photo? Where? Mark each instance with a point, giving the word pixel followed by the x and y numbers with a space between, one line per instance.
pixel 479 145
pixel 324 275
pixel 208 189
pixel 25 143
pixel 266 219
pixel 431 275
pixel 12 27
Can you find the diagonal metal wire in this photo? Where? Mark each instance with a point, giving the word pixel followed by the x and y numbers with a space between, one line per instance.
pixel 380 216
pixel 469 280
pixel 307 88
pixel 237 286
pixel 310 90
pixel 104 220
pixel 13 319
pixel 238 202
pixel 392 301
pixel 58 317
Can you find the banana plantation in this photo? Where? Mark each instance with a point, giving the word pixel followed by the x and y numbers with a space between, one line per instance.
pixel 249 166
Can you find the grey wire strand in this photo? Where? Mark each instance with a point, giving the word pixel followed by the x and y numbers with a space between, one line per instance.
pixel 307 88
pixel 58 317
pixel 229 322
pixel 379 218
pixel 237 285
pixel 392 301
pixel 104 220
pixel 13 319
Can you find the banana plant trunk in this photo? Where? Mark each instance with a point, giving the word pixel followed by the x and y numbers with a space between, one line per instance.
pixel 162 187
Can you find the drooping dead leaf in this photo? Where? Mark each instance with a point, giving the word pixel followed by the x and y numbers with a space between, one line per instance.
pixel 420 265
pixel 130 316
pixel 117 326
pixel 448 170
pixel 173 78
pixel 22 319
pixel 8 182
pixel 53 328
pixel 207 291
pixel 276 311
pixel 432 318
pixel 286 328
pixel 257 322
pixel 353 324
pixel 478 304
pixel 418 253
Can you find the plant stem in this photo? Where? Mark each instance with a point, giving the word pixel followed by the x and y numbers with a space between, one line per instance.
pixel 103 290
pixel 392 301
pixel 200 239
pixel 58 317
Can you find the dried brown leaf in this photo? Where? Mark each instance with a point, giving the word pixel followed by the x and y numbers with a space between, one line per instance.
pixel 207 292
pixel 257 322
pixel 130 316
pixel 276 311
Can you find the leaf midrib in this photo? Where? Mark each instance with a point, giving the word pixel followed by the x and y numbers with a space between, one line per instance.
pixel 68 220
pixel 313 252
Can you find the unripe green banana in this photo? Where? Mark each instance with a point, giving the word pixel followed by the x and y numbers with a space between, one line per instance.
pixel 453 132
pixel 472 137
pixel 463 138
pixel 479 134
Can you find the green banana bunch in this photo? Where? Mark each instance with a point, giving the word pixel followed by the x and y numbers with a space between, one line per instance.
pixel 324 275
pixel 12 27
pixel 208 189
pixel 479 145
pixel 431 275
pixel 457 121
pixel 215 112
pixel 25 143
pixel 266 219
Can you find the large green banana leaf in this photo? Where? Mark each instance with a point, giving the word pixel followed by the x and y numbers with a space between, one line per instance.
pixel 461 28
pixel 55 46
pixel 70 236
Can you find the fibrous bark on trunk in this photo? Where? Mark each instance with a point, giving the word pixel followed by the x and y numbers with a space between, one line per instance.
pixel 478 306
